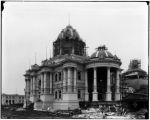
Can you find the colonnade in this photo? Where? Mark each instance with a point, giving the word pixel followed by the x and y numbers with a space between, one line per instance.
pixel 46 83
pixel 32 84
pixel 69 79
pixel 108 91
pixel 69 82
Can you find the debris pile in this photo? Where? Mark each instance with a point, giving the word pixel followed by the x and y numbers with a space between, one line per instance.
pixel 103 112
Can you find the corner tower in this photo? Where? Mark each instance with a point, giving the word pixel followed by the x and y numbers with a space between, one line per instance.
pixel 69 42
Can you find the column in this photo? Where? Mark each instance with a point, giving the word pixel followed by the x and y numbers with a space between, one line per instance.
pixel 69 79
pixel 86 87
pixel 117 92
pixel 28 88
pixel 34 85
pixel 75 80
pixel 42 84
pixel 28 85
pixel 108 93
pixel 95 94
pixel 50 82
pixel 31 86
pixel 47 82
pixel 64 80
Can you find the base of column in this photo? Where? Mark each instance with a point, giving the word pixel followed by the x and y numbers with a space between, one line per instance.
pixel 66 105
pixel 47 98
pixel 38 105
pixel 46 102
pixel 69 102
pixel 69 96
pixel 26 103
pixel 117 96
pixel 46 105
pixel 108 96
pixel 95 96
pixel 33 99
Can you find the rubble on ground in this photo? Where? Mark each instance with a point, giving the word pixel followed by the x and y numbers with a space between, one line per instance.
pixel 108 113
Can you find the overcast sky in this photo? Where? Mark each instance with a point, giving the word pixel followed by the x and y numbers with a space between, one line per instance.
pixel 31 27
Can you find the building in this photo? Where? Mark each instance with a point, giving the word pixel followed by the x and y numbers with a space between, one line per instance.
pixel 8 99
pixel 134 78
pixel 135 84
pixel 70 76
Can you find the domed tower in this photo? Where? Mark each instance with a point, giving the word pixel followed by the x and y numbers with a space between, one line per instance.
pixel 103 71
pixel 68 42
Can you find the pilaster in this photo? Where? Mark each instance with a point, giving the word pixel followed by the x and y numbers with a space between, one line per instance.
pixel 86 87
pixel 117 92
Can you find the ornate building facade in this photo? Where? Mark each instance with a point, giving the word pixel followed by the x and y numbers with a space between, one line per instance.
pixel 70 76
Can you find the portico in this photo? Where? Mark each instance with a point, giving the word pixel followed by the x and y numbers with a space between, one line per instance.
pixel 99 85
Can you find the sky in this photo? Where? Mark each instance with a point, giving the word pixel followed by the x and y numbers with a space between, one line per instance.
pixel 29 28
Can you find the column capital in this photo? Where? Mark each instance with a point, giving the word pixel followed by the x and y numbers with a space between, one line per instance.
pixel 108 67
pixel 95 68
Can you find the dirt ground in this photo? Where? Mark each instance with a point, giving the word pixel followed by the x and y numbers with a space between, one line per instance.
pixel 12 114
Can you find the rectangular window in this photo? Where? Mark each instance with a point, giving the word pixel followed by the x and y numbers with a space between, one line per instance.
pixel 59 76
pixel 60 94
pixel 79 75
pixel 79 94
pixel 56 95
pixel 55 77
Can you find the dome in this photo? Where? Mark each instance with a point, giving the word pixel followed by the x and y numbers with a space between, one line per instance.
pixel 68 32
pixel 68 42
pixel 34 67
pixel 102 53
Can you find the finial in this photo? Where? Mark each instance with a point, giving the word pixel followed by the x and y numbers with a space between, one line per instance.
pixel 50 52
pixel 69 18
pixel 35 57
pixel 102 47
pixel 46 52
pixel 29 64
pixel 16 91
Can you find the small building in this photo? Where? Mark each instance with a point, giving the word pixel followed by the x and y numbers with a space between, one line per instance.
pixel 8 99
pixel 135 84
pixel 71 77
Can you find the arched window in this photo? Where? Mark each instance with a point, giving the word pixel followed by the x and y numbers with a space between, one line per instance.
pixel 59 94
pixel 59 76
pixel 55 94
pixel 39 85
pixel 79 75
pixel 55 77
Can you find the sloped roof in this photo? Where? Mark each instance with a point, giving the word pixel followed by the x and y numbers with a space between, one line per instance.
pixel 139 71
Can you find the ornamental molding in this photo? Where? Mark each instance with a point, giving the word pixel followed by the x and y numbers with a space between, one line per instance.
pixel 46 69
pixel 93 65
pixel 70 64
